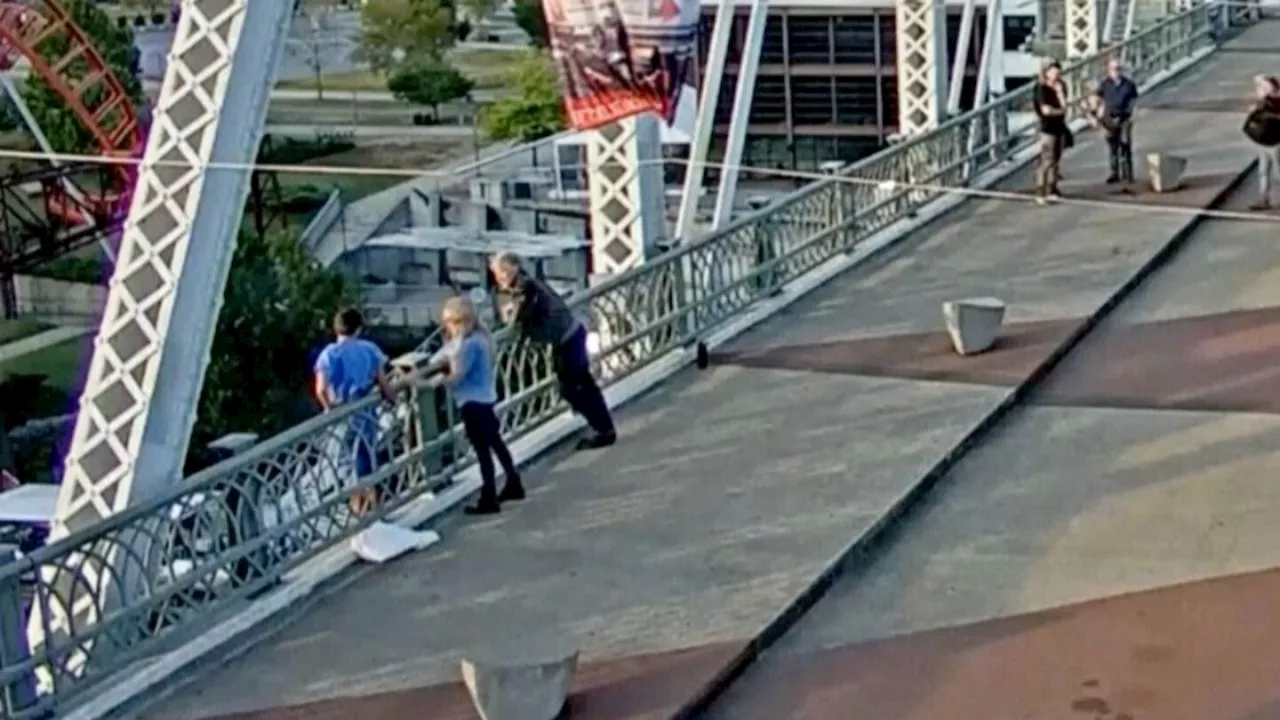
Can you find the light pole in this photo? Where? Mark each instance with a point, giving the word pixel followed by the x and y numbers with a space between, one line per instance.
pixel 475 127
pixel 315 55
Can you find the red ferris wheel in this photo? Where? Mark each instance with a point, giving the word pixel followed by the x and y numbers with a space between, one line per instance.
pixel 61 54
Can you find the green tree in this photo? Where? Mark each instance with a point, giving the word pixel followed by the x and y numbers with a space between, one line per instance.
pixel 114 43
pixel 416 28
pixel 532 19
pixel 430 82
pixel 535 110
pixel 277 309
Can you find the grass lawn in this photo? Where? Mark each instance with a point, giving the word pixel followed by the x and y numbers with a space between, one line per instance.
pixel 417 155
pixel 62 364
pixel 14 330
pixel 488 68
pixel 339 82
pixel 351 186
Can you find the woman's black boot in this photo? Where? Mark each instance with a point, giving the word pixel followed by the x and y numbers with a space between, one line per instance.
pixel 486 505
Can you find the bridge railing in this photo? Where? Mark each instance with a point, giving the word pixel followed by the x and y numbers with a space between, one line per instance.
pixel 184 561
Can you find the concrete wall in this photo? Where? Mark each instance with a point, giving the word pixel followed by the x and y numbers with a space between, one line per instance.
pixel 58 300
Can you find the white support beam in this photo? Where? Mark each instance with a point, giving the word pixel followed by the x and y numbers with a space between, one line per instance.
pixel 152 348
pixel 624 177
pixel 705 124
pixel 959 66
pixel 1130 20
pixel 994 64
pixel 743 96
pixel 1082 28
pixel 991 65
pixel 1111 21
pixel 922 64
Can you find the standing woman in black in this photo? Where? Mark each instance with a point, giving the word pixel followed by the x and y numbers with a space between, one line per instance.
pixel 1263 128
pixel 1050 98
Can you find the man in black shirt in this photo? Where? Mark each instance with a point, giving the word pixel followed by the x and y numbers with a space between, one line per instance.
pixel 1115 100
pixel 1050 98
pixel 542 316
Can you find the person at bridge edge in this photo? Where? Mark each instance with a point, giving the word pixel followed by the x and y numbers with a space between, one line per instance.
pixel 470 379
pixel 542 316
pixel 350 369
pixel 1113 105
pixel 1263 127
pixel 1050 98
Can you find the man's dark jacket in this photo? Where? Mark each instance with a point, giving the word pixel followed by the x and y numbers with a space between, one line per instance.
pixel 541 314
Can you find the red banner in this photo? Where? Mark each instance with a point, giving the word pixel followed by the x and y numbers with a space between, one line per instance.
pixel 619 58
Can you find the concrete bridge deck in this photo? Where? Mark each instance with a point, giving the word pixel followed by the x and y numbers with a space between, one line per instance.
pixel 1109 552
pixel 733 488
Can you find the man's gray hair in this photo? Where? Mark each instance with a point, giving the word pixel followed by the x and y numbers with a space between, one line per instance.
pixel 507 260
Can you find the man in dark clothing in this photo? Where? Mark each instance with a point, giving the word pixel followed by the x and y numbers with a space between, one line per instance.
pixel 1115 99
pixel 1050 98
pixel 543 317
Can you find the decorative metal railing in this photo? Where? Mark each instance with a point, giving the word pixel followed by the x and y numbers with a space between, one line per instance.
pixel 183 561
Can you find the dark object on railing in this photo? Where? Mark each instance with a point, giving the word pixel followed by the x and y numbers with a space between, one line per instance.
pixel 703 357
pixel 243 499
pixel 19 695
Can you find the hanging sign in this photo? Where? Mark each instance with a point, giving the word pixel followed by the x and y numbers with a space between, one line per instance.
pixel 619 58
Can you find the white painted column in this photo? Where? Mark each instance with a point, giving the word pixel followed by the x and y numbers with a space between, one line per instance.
pixel 624 176
pixel 704 125
pixel 922 64
pixel 152 349
pixel 743 96
pixel 955 96
pixel 1082 28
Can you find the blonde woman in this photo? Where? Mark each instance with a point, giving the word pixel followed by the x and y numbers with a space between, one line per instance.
pixel 1263 128
pixel 471 381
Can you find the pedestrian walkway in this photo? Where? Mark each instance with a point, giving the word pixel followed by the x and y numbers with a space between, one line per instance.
pixel 733 488
pixel 40 341
pixel 1147 465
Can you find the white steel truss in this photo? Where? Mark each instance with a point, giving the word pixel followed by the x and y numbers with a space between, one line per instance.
pixel 705 124
pixel 1082 28
pixel 743 95
pixel 152 348
pixel 922 64
pixel 624 177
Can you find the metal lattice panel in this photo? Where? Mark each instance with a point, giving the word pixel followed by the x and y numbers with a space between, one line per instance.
pixel 1082 28
pixel 922 64
pixel 625 184
pixel 144 381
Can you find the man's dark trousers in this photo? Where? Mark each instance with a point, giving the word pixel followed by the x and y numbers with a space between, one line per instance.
pixel 1120 147
pixel 578 386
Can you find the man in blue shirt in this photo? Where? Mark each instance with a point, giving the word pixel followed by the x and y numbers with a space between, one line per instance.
pixel 1115 101
pixel 349 369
